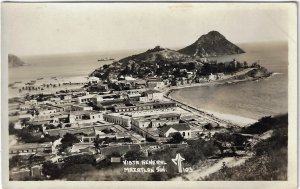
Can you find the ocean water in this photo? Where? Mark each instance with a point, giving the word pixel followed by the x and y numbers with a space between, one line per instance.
pixel 251 99
pixel 64 65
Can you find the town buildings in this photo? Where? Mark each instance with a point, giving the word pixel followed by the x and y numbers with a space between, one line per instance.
pixel 122 112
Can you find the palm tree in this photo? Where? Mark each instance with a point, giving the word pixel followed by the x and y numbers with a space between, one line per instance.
pixel 97 143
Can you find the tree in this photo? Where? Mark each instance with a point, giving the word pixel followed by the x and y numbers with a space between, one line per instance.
pixel 134 155
pixel 221 67
pixel 208 126
pixel 177 138
pixel 105 66
pixel 67 141
pixel 198 150
pixel 97 143
pixel 51 169
pixel 15 161
pixel 238 65
pixel 33 159
pixel 11 128
pixel 226 137
pixel 78 159
pixel 206 69
pixel 35 128
pixel 191 66
pixel 26 136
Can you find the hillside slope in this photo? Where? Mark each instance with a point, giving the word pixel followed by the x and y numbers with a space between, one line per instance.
pixel 211 44
pixel 155 55
pixel 14 61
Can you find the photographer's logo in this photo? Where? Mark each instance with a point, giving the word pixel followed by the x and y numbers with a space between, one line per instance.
pixel 177 161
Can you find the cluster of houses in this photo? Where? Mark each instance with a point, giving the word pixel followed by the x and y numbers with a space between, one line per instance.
pixel 119 118
pixel 153 82
pixel 121 112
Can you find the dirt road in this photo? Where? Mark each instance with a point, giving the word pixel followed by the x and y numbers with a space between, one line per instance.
pixel 201 173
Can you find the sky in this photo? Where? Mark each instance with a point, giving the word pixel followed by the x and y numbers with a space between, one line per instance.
pixel 58 28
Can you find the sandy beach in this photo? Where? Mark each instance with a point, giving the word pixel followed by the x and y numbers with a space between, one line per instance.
pixel 242 121
pixel 221 117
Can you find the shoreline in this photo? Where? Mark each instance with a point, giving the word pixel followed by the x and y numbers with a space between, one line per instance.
pixel 229 81
pixel 73 82
pixel 222 118
pixel 229 118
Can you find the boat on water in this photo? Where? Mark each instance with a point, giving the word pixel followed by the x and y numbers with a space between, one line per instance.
pixel 31 82
pixel 11 85
pixel 40 78
pixel 105 59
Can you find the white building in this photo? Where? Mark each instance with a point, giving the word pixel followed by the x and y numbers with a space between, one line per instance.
pixel 212 77
pixel 220 75
pixel 183 128
pixel 156 84
pixel 45 113
pixel 117 118
pixel 18 125
pixel 81 117
pixel 81 107
pixel 31 102
pixel 93 80
pixel 128 78
pixel 105 97
pixel 156 120
pixel 151 95
pixel 85 99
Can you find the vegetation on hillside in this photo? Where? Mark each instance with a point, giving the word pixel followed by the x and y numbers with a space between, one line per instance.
pixel 271 155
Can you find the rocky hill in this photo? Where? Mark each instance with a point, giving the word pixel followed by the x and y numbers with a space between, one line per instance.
pixel 14 61
pixel 155 55
pixel 211 44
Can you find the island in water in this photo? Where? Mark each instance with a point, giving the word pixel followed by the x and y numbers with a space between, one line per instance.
pixel 14 61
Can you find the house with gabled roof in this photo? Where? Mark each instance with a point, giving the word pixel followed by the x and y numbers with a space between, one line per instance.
pixel 183 128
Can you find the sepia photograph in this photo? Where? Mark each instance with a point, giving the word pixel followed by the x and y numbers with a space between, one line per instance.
pixel 136 91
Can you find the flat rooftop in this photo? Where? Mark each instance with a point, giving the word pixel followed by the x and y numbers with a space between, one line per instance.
pixel 81 112
pixel 161 115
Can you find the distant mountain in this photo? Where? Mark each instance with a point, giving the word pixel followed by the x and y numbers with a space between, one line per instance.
pixel 14 61
pixel 155 55
pixel 211 44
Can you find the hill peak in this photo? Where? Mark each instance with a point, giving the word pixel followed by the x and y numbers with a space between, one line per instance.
pixel 211 44
pixel 212 34
pixel 156 49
